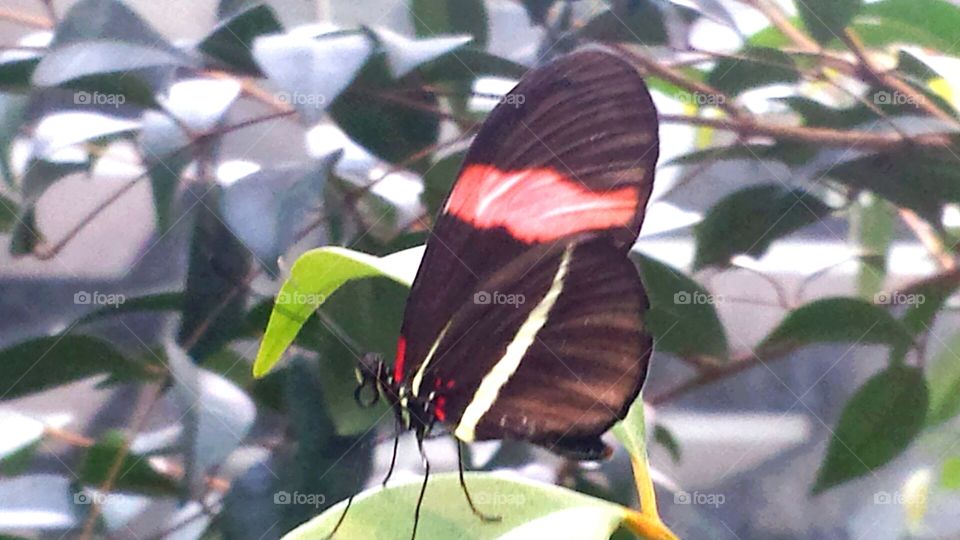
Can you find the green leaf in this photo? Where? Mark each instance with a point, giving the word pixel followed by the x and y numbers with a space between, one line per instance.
pixel 393 131
pixel 752 68
pixel 528 510
pixel 15 75
pixel 950 474
pixel 437 17
pixel 665 438
pixel 439 179
pixel 878 423
pixel 170 301
pixel 872 223
pixel 682 316
pixel 136 473
pixel 636 22
pixel 936 18
pixel 312 72
pixel 632 431
pixel 922 179
pixel 163 143
pixel 943 378
pixel 838 320
pixel 231 42
pixel 749 220
pixel 13 108
pixel 405 54
pixel 826 19
pixel 786 152
pixel 8 214
pixel 43 363
pixel 215 295
pixel 26 236
pixel 315 276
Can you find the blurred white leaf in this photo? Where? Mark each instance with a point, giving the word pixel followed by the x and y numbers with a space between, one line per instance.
pixel 39 502
pixel 18 431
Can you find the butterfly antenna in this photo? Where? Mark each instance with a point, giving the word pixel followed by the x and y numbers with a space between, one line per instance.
pixel 466 492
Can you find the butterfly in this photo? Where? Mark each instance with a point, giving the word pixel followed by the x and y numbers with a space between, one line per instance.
pixel 526 318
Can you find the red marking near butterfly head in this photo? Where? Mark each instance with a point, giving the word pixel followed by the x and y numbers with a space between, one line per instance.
pixel 399 360
pixel 538 205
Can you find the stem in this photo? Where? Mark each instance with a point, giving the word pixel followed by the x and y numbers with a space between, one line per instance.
pixel 25 19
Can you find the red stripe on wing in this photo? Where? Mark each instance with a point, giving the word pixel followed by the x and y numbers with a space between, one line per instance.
pixel 537 205
pixel 398 362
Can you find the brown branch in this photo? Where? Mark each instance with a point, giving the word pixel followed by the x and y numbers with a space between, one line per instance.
pixel 779 19
pixel 929 238
pixel 25 19
pixel 890 81
pixel 814 135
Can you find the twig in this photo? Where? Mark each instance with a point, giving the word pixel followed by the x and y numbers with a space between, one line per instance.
pixel 928 237
pixel 779 19
pixel 890 81
pixel 814 135
pixel 25 19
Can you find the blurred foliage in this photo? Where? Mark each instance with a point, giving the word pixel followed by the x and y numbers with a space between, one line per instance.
pixel 863 145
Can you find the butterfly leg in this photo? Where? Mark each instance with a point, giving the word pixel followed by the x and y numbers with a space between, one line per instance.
pixel 423 487
pixel 340 521
pixel 466 492
pixel 393 459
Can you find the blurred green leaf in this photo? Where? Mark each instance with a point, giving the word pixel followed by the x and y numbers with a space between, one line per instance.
pixel 42 363
pixel 632 431
pixel 389 129
pixel 826 19
pixel 682 316
pixel 437 17
pixel 26 236
pixel 8 214
pixel 528 510
pixel 936 18
pixel 137 474
pixel 215 293
pixel 872 223
pixel 943 379
pixel 439 179
pixel 665 438
pixel 838 320
pixel 231 42
pixel 876 425
pixel 950 474
pixel 164 146
pixel 315 276
pixel 635 22
pixel 921 179
pixel 748 221
pixel 404 54
pixel 16 74
pixel 753 67
pixel 170 301
pixel 786 152
pixel 13 108
pixel 312 72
